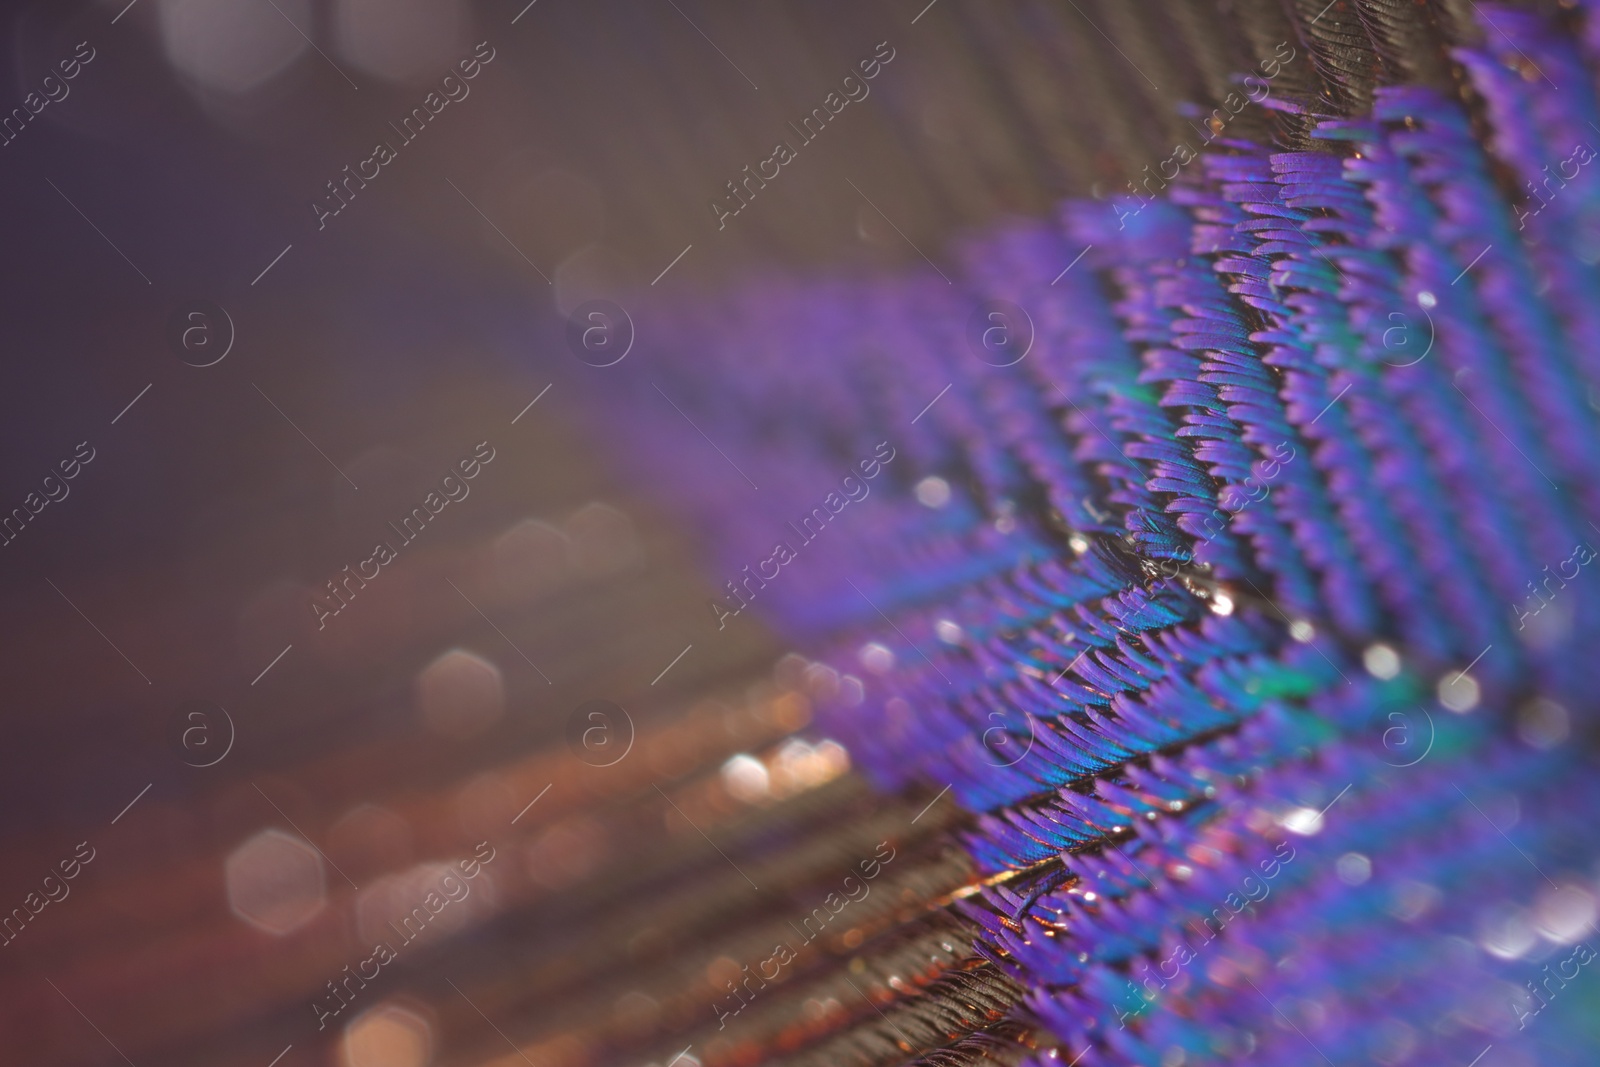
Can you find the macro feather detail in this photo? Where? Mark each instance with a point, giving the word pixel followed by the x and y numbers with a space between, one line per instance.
pixel 1231 561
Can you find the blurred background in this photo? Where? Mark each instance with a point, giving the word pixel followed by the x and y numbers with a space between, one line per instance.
pixel 256 389
pixel 246 346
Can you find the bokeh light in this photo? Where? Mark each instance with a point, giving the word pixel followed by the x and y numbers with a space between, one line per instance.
pixel 275 882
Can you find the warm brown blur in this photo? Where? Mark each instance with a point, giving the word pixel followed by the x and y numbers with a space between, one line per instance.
pixel 260 747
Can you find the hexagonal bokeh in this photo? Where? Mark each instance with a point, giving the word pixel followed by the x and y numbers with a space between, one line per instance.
pixel 603 538
pixel 275 882
pixel 531 557
pixel 223 46
pixel 387 1036
pixel 460 694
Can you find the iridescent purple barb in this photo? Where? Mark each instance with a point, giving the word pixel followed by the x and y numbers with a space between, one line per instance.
pixel 1215 609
